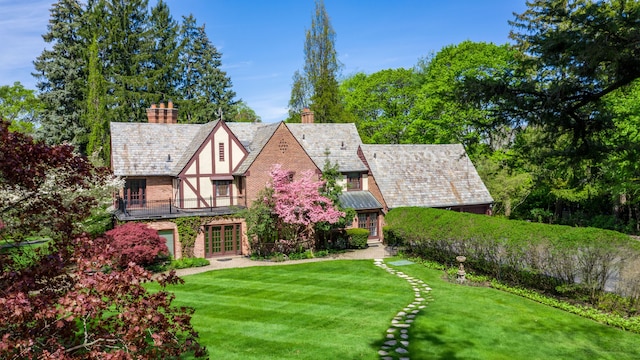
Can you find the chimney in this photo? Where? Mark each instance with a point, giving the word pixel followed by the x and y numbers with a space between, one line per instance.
pixel 306 116
pixel 162 115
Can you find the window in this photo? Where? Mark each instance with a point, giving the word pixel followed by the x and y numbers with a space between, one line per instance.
pixel 369 221
pixel 222 187
pixel 135 191
pixel 353 182
pixel 221 151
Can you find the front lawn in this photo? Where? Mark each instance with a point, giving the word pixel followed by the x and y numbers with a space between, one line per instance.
pixel 342 309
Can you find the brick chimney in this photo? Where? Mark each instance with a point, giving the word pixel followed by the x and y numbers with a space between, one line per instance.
pixel 307 116
pixel 162 115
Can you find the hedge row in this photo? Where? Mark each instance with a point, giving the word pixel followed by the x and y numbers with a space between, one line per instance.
pixel 534 255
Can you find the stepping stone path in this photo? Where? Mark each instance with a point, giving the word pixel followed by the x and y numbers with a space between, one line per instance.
pixel 396 342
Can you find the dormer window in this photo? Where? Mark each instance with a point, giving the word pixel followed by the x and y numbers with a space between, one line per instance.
pixel 354 181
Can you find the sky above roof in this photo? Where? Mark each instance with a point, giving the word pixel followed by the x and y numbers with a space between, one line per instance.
pixel 262 42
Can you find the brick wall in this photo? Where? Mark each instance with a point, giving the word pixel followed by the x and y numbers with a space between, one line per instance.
pixel 282 149
pixel 159 188
pixel 168 225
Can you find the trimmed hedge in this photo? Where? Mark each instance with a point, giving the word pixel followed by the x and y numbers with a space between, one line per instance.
pixel 357 238
pixel 529 254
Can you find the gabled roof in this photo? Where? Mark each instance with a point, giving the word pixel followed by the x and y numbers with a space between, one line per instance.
pixel 144 149
pixel 425 175
pixel 253 136
pixel 337 142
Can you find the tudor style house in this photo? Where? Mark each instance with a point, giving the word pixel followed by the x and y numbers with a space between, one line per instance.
pixel 216 169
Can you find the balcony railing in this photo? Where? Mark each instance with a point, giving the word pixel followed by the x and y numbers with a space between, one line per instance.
pixel 158 208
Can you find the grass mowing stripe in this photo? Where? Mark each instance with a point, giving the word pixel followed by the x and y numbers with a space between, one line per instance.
pixel 482 323
pixel 333 309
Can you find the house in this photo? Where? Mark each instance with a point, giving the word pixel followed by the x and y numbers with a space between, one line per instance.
pixel 215 170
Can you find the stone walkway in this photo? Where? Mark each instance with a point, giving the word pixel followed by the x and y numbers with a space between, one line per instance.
pixel 397 340
pixel 397 336
pixel 376 250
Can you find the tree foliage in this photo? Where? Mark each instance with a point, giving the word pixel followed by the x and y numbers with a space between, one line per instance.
pixel 205 90
pixel 317 86
pixel 61 74
pixel 382 104
pixel 136 243
pixel 20 106
pixel 70 299
pixel 123 56
pixel 441 115
pixel 573 55
pixel 289 210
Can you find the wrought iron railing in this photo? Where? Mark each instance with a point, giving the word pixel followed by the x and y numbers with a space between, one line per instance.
pixel 175 206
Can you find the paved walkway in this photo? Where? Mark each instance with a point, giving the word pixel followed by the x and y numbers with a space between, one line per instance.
pixel 376 250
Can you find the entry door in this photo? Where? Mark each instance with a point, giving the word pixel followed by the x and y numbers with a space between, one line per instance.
pixel 222 240
pixel 168 235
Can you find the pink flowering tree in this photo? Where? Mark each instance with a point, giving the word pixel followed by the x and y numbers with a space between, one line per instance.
pixel 298 206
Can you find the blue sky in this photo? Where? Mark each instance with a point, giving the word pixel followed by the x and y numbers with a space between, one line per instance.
pixel 262 41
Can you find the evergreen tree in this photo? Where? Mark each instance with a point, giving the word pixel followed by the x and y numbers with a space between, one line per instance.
pixel 317 87
pixel 205 89
pixel 61 76
pixel 128 52
pixel 96 119
pixel 163 65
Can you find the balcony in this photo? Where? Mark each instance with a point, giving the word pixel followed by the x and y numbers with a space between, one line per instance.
pixel 126 210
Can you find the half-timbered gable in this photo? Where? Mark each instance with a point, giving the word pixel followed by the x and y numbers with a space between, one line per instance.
pixel 206 178
pixel 173 170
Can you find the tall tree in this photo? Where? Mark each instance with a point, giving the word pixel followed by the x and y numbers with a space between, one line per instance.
pixel 163 64
pixel 205 89
pixel 243 113
pixel 61 74
pixel 317 86
pixel 441 115
pixel 573 54
pixel 20 106
pixel 381 103
pixel 128 52
pixel 95 116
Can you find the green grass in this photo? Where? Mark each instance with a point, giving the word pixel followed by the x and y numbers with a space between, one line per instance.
pixel 342 309
pixel 321 310
pixel 466 322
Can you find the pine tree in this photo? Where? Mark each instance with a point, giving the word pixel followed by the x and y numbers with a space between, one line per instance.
pixel 163 65
pixel 61 74
pixel 204 88
pixel 128 50
pixel 318 87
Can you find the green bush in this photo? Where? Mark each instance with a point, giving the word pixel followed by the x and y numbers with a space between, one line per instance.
pixel 390 236
pixel 527 254
pixel 357 238
pixel 186 263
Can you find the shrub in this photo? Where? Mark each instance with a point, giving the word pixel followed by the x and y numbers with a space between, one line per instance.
pixel 137 243
pixel 390 236
pixel 535 255
pixel 357 238
pixel 186 263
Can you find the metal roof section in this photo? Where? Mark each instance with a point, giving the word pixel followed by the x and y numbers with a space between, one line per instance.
pixel 359 200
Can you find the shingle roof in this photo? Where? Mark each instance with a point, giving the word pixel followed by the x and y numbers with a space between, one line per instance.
pixel 143 149
pixel 359 200
pixel 254 137
pixel 340 141
pixel 425 175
